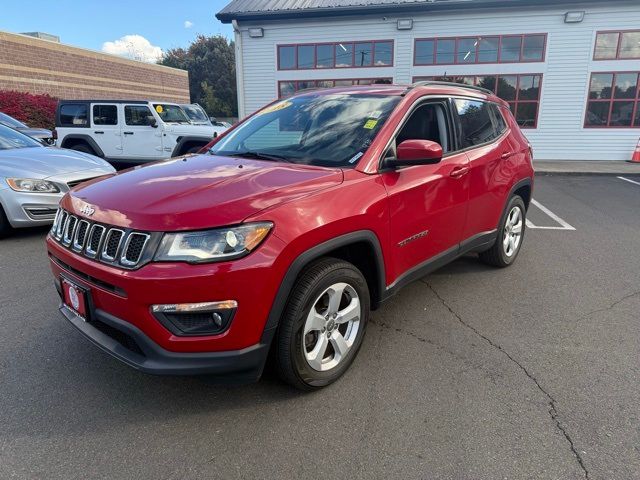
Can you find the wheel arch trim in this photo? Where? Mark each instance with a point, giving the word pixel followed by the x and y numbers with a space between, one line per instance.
pixel 177 150
pixel 308 256
pixel 85 138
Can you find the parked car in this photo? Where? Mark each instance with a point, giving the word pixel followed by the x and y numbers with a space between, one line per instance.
pixel 198 116
pixel 33 178
pixel 127 131
pixel 299 222
pixel 42 134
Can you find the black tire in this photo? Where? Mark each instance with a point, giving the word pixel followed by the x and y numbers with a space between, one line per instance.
pixel 5 226
pixel 497 255
pixel 195 149
pixel 291 364
pixel 82 147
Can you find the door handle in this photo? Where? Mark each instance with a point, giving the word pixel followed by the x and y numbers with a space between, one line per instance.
pixel 128 133
pixel 506 155
pixel 98 132
pixel 458 172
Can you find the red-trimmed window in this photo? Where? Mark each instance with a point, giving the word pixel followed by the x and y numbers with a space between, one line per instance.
pixel 614 100
pixel 311 56
pixel 617 45
pixel 485 49
pixel 289 87
pixel 521 91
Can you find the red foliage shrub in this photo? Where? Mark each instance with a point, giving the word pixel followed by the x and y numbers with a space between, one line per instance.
pixel 37 111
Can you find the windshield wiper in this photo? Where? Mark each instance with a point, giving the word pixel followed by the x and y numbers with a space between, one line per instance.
pixel 260 156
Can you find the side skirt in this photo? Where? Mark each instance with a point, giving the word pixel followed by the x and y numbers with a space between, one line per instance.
pixel 477 243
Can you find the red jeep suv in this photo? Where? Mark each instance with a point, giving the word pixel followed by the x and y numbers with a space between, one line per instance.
pixel 295 224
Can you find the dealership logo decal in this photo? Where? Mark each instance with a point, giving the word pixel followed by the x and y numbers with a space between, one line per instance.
pixel 87 210
pixel 73 296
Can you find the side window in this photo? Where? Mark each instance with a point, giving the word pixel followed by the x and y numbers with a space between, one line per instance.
pixel 74 115
pixel 501 125
pixel 475 122
pixel 427 122
pixel 105 115
pixel 137 115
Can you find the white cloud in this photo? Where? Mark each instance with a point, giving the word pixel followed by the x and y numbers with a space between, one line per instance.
pixel 133 46
pixel 188 24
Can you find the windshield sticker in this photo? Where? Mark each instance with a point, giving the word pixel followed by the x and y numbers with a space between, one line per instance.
pixel 159 108
pixel 370 124
pixel 375 114
pixel 356 157
pixel 276 107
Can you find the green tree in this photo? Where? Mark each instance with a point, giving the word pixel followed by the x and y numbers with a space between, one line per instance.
pixel 211 64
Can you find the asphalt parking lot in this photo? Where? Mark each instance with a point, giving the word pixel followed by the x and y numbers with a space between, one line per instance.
pixel 471 373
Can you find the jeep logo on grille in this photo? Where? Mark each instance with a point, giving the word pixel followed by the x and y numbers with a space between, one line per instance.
pixel 87 210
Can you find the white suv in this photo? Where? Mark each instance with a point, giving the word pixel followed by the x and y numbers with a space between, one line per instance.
pixel 129 131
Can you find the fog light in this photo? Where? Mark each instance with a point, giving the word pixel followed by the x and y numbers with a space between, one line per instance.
pixel 189 319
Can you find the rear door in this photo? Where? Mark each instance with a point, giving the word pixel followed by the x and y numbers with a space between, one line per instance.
pixel 140 139
pixel 485 139
pixel 427 203
pixel 106 128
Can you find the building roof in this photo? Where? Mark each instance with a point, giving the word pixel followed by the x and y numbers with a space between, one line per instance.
pixel 286 9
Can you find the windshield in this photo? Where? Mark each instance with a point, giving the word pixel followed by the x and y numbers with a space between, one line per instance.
pixel 195 113
pixel 9 139
pixel 314 129
pixel 10 121
pixel 171 113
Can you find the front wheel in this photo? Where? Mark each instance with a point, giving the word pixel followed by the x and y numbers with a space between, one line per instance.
pixel 510 235
pixel 323 325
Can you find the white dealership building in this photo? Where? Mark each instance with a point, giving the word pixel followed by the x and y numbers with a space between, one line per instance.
pixel 569 69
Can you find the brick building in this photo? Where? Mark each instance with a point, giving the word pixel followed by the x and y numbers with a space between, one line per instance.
pixel 39 66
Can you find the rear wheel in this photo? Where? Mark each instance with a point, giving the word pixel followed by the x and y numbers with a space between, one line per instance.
pixel 5 226
pixel 323 324
pixel 510 235
pixel 81 147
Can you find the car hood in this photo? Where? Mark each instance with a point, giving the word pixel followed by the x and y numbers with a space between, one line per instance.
pixel 197 192
pixel 37 132
pixel 45 162
pixel 191 129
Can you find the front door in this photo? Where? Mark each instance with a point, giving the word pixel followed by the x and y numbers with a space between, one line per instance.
pixel 107 125
pixel 141 136
pixel 427 203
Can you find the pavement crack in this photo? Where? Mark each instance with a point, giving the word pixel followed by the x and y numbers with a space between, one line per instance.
pixel 553 413
pixel 611 306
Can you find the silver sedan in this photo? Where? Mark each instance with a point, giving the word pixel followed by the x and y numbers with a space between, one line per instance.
pixel 33 178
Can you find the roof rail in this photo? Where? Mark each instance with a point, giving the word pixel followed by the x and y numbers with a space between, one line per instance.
pixel 426 83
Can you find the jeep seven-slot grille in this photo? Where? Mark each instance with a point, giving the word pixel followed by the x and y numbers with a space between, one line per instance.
pixel 120 247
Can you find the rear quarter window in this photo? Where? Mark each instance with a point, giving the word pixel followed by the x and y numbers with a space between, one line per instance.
pixel 476 124
pixel 498 116
pixel 74 115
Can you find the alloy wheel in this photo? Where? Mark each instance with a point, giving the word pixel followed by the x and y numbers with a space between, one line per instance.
pixel 331 327
pixel 512 234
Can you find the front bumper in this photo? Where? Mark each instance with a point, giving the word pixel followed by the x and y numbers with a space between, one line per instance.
pixel 123 299
pixel 29 209
pixel 131 346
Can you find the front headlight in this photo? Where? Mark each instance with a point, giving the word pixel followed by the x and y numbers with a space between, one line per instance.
pixel 212 245
pixel 32 185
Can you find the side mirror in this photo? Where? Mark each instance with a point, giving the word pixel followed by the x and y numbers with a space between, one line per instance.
pixel 416 152
pixel 153 123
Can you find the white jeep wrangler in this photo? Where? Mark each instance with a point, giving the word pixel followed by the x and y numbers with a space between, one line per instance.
pixel 129 132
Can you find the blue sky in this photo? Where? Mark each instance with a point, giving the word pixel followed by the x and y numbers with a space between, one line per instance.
pixel 91 23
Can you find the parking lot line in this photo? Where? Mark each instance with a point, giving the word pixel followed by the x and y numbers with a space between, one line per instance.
pixel 553 216
pixel 629 180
